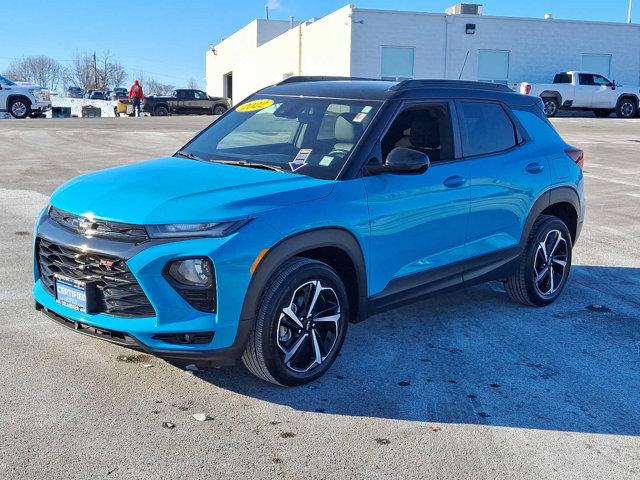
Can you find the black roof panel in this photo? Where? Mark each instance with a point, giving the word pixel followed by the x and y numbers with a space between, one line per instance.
pixel 372 89
pixel 351 88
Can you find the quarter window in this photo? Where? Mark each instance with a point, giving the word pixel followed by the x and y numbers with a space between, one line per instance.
pixel 486 128
pixel 562 78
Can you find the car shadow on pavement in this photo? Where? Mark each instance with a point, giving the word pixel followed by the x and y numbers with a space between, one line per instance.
pixel 474 357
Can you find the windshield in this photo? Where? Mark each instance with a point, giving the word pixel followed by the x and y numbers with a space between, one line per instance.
pixel 5 81
pixel 308 136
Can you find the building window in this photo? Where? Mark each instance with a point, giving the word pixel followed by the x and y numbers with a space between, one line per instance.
pixel 493 66
pixel 597 63
pixel 397 63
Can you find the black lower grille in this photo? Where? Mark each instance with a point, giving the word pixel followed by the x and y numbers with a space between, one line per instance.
pixel 116 289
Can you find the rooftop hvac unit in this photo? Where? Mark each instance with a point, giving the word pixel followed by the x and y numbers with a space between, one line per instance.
pixel 465 9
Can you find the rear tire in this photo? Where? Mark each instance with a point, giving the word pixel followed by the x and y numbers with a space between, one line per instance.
pixel 626 108
pixel 551 106
pixel 544 265
pixel 161 111
pixel 219 109
pixel 300 325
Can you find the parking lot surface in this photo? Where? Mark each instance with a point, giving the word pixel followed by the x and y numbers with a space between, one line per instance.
pixel 463 385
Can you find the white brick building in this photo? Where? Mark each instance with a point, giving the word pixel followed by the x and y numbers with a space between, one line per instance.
pixel 393 44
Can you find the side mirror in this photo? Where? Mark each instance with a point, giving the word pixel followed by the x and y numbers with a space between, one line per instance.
pixel 402 160
pixel 613 85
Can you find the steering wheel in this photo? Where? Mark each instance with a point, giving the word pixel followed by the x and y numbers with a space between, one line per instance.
pixel 338 153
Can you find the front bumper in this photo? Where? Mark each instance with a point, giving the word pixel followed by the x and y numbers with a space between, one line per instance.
pixel 40 106
pixel 173 314
pixel 221 356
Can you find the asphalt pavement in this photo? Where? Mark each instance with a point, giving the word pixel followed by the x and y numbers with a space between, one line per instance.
pixel 463 385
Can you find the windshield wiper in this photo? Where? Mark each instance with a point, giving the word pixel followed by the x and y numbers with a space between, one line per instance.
pixel 243 163
pixel 190 155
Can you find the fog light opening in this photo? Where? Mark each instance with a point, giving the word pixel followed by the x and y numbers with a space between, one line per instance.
pixel 186 338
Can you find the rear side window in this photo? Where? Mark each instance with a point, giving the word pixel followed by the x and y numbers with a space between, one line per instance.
pixel 562 78
pixel 486 128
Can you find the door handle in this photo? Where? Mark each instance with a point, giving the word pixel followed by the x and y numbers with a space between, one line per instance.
pixel 454 181
pixel 534 167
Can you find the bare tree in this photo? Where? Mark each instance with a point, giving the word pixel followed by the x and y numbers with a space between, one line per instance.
pixel 100 73
pixel 43 70
pixel 82 71
pixel 117 75
pixel 193 84
pixel 154 87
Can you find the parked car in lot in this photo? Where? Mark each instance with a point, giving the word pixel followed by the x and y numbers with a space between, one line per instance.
pixel 75 92
pixel 23 100
pixel 96 95
pixel 119 94
pixel 314 203
pixel 585 91
pixel 185 101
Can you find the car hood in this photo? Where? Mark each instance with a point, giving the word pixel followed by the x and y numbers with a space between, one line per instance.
pixel 179 190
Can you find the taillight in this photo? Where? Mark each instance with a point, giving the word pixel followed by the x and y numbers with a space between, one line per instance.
pixel 576 155
pixel 527 89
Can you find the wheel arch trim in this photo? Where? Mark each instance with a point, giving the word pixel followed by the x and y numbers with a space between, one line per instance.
pixel 561 194
pixel 336 237
pixel 552 94
pixel 629 95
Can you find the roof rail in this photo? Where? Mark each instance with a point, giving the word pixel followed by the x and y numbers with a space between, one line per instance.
pixel 433 83
pixel 318 78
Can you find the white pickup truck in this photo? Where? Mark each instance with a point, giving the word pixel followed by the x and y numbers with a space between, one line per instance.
pixel 23 100
pixel 585 91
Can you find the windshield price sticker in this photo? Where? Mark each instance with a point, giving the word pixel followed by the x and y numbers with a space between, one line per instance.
pixel 301 159
pixel 255 105
pixel 362 114
pixel 326 161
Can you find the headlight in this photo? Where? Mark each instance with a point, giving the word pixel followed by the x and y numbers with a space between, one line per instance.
pixel 40 93
pixel 181 230
pixel 193 271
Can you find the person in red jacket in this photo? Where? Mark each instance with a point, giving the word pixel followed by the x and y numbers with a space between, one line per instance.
pixel 136 95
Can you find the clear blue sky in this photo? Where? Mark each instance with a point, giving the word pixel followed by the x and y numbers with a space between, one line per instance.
pixel 166 39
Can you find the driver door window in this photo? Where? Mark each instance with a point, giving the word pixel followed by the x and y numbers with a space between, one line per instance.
pixel 424 128
pixel 202 103
pixel 603 96
pixel 584 96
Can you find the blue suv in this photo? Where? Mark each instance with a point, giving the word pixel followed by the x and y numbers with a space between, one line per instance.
pixel 314 203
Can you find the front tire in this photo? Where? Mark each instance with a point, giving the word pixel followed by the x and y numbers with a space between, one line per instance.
pixel 626 108
pixel 300 325
pixel 20 107
pixel 544 265
pixel 551 106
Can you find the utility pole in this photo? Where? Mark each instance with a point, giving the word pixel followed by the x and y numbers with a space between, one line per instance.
pixel 630 11
pixel 95 71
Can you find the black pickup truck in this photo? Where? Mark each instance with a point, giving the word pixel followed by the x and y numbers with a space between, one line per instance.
pixel 185 101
